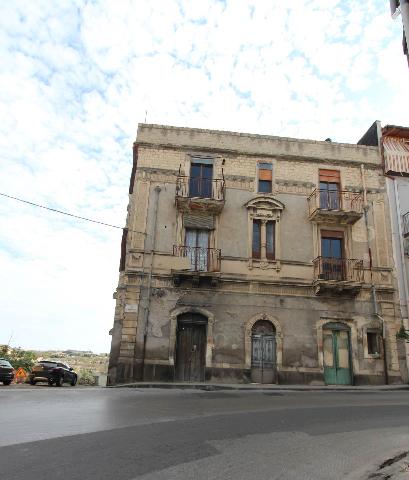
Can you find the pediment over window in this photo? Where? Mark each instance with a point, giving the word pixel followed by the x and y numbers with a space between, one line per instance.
pixel 264 202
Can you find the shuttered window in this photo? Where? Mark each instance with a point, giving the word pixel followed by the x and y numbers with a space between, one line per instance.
pixel 256 248
pixel 270 240
pixel 265 177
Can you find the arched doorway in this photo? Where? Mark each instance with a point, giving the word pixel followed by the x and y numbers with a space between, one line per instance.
pixel 337 353
pixel 191 347
pixel 263 352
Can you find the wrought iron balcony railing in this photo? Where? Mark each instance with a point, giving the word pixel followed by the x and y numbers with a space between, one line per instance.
pixel 200 187
pixel 405 224
pixel 201 259
pixel 338 269
pixel 335 201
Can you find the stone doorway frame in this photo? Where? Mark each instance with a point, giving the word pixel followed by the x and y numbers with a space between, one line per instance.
pixel 174 313
pixel 247 339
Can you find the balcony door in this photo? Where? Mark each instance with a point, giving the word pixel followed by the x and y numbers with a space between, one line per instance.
pixel 201 179
pixel 330 190
pixel 197 246
pixel 332 252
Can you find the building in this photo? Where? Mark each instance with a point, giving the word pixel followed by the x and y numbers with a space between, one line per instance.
pixel 401 8
pixel 393 144
pixel 252 258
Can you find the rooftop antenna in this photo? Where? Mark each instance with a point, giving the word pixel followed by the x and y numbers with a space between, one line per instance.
pixel 146 115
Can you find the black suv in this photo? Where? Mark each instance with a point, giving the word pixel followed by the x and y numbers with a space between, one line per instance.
pixel 6 372
pixel 52 372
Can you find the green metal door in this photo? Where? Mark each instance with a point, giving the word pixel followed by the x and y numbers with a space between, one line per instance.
pixel 336 346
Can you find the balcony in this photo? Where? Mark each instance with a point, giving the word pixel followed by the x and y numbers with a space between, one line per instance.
pixel 202 264
pixel 199 193
pixel 338 275
pixel 336 207
pixel 405 225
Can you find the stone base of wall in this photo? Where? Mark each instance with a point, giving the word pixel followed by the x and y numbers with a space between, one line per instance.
pixel 300 378
pixel 166 373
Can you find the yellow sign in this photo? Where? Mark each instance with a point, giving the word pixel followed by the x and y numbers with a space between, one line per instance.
pixel 21 375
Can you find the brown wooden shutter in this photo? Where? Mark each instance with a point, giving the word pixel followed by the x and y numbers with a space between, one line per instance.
pixel 332 176
pixel 332 234
pixel 198 220
pixel 265 175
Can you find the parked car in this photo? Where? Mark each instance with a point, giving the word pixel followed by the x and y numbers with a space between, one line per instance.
pixel 52 372
pixel 6 372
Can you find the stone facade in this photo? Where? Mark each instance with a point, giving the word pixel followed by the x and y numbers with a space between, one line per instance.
pixel 235 291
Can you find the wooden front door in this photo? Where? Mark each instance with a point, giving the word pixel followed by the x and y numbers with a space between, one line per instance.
pixel 337 368
pixel 263 353
pixel 191 349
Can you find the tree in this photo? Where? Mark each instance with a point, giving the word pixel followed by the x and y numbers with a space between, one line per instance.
pixel 18 357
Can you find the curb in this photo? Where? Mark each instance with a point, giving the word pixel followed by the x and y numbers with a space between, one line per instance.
pixel 257 388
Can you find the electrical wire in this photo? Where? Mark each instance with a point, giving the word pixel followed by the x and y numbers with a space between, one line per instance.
pixel 66 213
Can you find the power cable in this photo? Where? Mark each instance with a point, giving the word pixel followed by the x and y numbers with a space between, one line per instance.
pixel 66 213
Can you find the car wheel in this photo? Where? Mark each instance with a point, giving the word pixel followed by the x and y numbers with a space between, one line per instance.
pixel 59 382
pixel 32 382
pixel 74 381
pixel 6 382
pixel 51 382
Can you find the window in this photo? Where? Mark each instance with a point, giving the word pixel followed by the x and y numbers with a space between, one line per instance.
pixel 256 239
pixel 197 249
pixel 330 190
pixel 264 246
pixel 265 177
pixel 332 252
pixel 372 339
pixel 270 240
pixel 263 242
pixel 201 178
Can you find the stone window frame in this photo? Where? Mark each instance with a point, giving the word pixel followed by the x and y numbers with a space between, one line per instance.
pixel 258 169
pixel 372 328
pixel 191 156
pixel 347 238
pixel 266 209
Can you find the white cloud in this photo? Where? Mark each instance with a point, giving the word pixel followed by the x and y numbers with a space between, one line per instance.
pixel 77 77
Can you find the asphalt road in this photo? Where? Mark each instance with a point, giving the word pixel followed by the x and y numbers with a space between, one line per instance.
pixel 122 434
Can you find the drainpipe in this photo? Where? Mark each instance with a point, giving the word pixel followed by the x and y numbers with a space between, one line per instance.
pixel 148 295
pixel 385 363
pixel 373 289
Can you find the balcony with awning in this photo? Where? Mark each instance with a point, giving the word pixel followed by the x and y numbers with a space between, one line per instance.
pixel 396 151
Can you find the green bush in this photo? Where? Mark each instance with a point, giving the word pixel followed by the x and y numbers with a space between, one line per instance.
pixel 86 377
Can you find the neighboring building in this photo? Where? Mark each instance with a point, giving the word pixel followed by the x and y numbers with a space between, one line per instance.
pixel 255 258
pixel 401 7
pixel 393 143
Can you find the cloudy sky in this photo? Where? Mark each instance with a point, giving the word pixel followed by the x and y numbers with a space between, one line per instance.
pixel 76 77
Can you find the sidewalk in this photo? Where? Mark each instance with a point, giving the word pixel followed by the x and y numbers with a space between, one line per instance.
pixel 261 387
